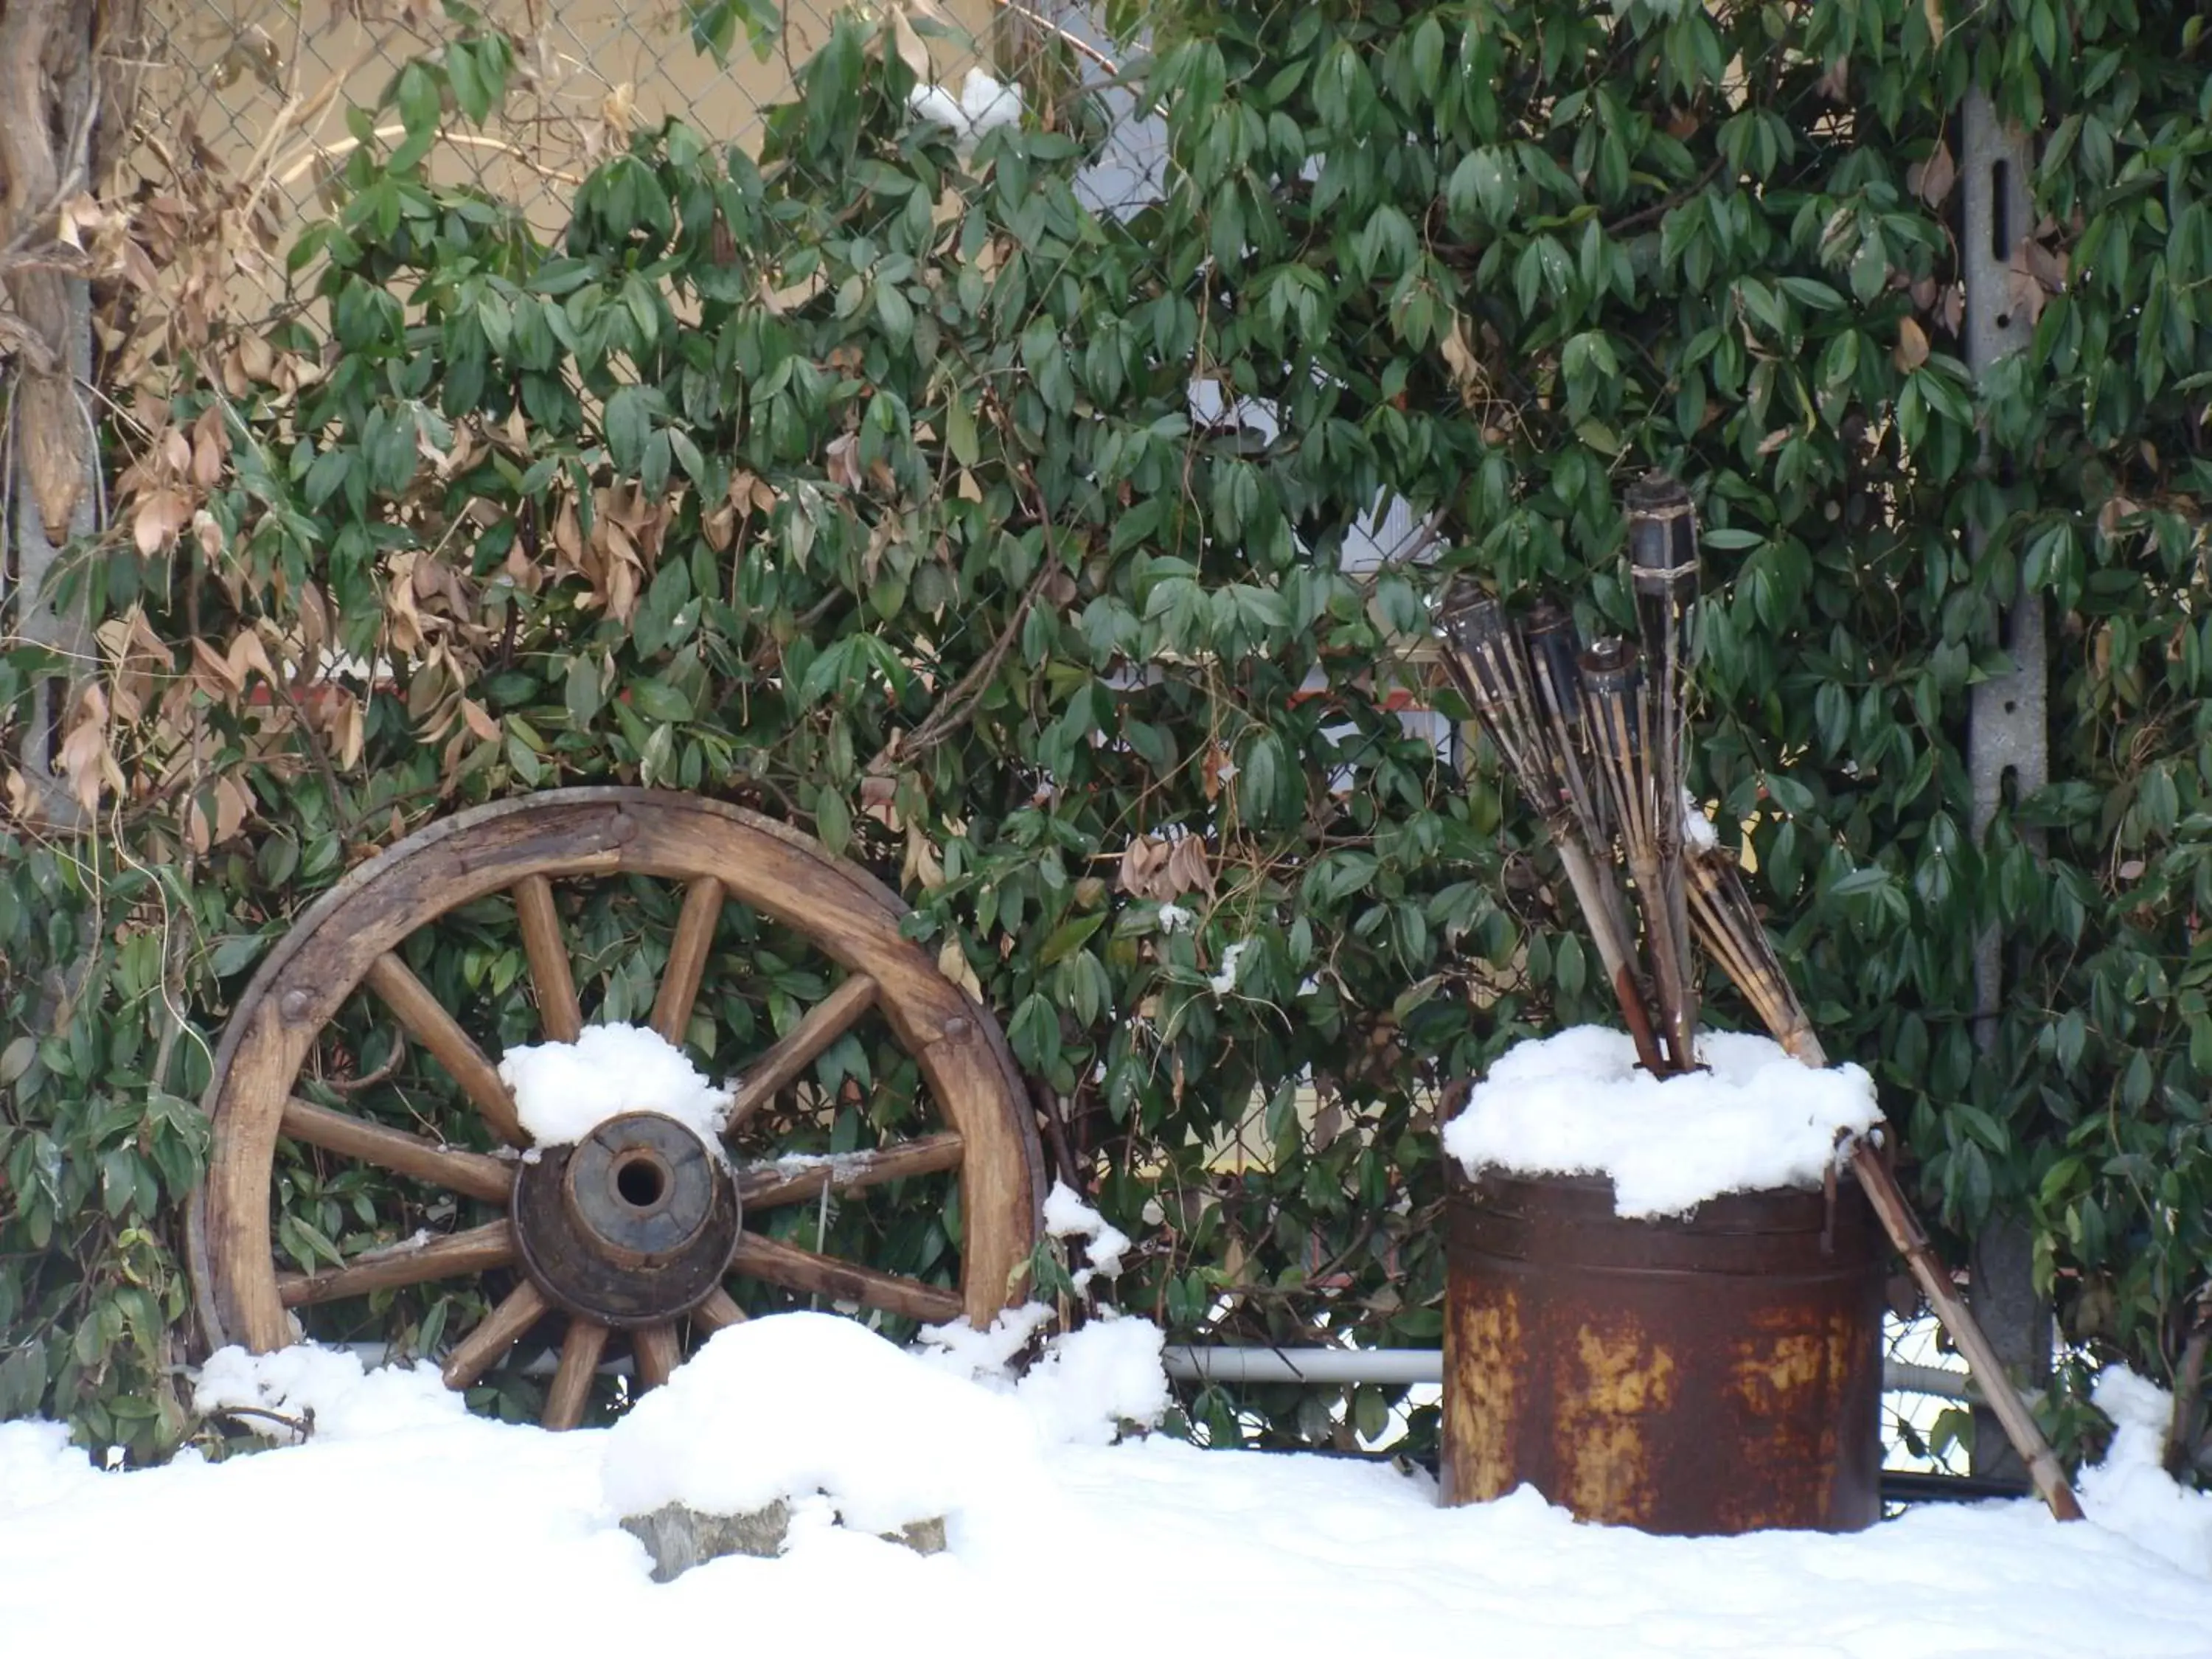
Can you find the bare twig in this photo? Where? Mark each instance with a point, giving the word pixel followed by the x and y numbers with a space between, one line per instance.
pixel 354 1085
pixel 953 709
pixel 303 1425
pixel 1666 204
pixel 1080 47
pixel 289 174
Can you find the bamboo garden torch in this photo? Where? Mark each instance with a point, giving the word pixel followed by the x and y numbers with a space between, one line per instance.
pixel 1662 560
pixel 1520 695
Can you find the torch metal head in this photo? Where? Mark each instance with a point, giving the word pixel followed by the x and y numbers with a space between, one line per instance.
pixel 1553 651
pixel 1483 653
pixel 1610 669
pixel 1614 736
pixel 1662 538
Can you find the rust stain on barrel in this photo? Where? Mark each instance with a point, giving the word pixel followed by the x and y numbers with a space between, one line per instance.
pixel 1600 1442
pixel 1483 1338
pixel 1715 1373
pixel 1767 1372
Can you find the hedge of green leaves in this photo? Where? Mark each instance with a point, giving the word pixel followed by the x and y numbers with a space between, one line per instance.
pixel 865 484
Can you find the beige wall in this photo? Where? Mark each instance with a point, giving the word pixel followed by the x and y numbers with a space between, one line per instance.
pixel 228 67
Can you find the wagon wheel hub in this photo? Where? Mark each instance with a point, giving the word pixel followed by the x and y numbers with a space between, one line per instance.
pixel 633 1225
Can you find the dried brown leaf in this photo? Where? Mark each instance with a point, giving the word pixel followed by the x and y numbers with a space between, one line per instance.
pixel 843 461
pixel 1139 859
pixel 1931 180
pixel 1912 346
pixel 1466 374
pixel 348 733
pixel 923 867
pixel 1189 869
pixel 210 447
pixel 160 514
pixel 84 758
pixel 952 962
pixel 911 52
pixel 2045 266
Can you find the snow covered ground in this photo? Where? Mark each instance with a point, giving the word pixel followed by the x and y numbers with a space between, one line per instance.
pixel 404 1525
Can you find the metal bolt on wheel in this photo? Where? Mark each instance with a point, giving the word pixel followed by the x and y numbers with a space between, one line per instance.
pixel 637 1224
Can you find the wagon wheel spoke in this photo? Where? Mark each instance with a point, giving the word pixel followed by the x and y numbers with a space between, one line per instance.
pixel 796 1269
pixel 657 1353
pixel 472 1251
pixel 687 959
pixel 546 951
pixel 765 1185
pixel 825 1022
pixel 718 1312
pixel 410 1001
pixel 571 1390
pixel 395 1149
pixel 498 1331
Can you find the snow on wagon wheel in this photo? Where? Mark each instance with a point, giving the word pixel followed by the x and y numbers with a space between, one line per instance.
pixel 633 1229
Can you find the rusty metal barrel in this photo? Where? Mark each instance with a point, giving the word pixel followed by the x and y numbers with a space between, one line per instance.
pixel 1719 1372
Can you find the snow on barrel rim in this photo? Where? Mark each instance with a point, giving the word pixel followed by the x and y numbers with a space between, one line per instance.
pixel 1577 1103
pixel 564 1091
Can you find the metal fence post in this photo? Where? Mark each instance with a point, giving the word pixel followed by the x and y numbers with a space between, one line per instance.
pixel 2008 744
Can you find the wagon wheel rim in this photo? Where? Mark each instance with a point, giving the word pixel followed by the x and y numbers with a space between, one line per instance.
pixel 349 940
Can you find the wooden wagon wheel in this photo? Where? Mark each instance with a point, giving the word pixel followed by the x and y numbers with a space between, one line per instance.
pixel 635 1227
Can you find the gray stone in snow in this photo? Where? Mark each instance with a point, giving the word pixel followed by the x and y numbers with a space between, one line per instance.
pixel 678 1539
pixel 922 1537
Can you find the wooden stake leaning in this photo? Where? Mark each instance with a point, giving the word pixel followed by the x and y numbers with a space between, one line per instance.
pixel 1730 931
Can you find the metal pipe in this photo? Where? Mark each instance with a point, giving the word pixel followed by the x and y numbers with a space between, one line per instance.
pixel 1406 1367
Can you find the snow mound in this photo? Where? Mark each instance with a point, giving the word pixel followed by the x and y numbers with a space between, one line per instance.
pixel 986 1355
pixel 1086 1386
pixel 38 1465
pixel 2130 1492
pixel 348 1403
pixel 1576 1104
pixel 798 1403
pixel 1093 1382
pixel 1066 1216
pixel 564 1091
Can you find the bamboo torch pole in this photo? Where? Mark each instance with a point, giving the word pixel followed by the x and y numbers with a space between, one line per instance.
pixel 1730 930
pixel 1662 561
pixel 1904 1228
pixel 1614 715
